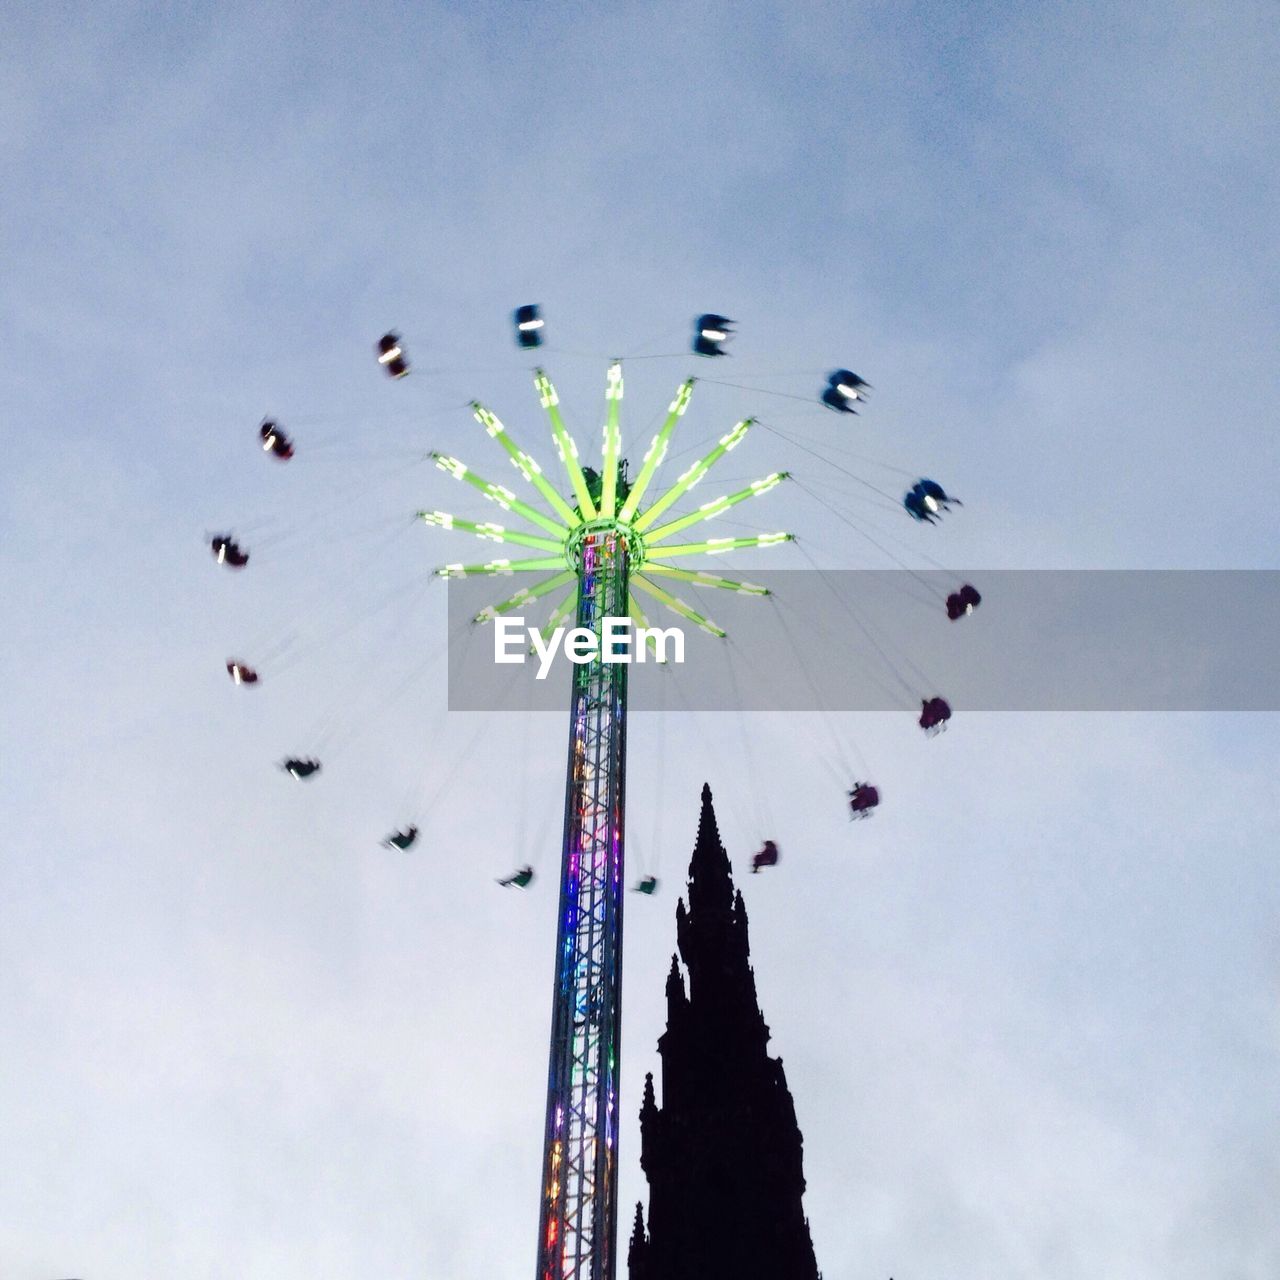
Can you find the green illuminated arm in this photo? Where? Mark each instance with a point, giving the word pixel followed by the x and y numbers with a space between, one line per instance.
pixel 612 443
pixel 524 596
pixel 695 473
pixel 498 567
pixel 715 507
pixel 638 617
pixel 497 493
pixel 558 615
pixel 491 532
pixel 657 450
pixel 564 443
pixel 709 580
pixel 716 546
pixel 678 606
pixel 524 463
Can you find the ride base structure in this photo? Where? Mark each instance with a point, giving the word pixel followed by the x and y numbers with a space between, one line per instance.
pixel 599 549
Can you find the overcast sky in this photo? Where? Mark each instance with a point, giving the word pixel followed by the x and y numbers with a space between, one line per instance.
pixel 1028 1013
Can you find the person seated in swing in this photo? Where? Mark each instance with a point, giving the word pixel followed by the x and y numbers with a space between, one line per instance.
pixel 241 673
pixel 844 389
pixel 300 768
pixel 647 885
pixel 402 840
pixel 863 799
pixel 710 333
pixel 767 857
pixel 528 322
pixel 918 508
pixel 927 499
pixel 274 441
pixel 963 602
pixel 521 879
pixel 226 550
pixel 391 355
pixel 934 714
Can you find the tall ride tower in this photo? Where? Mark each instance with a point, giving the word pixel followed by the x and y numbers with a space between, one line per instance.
pixel 598 547
pixel 579 1207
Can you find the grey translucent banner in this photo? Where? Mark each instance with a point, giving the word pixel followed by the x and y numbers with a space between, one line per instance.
pixel 1096 640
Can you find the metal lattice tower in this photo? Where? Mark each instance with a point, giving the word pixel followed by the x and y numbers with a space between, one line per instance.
pixel 578 1223
pixel 599 545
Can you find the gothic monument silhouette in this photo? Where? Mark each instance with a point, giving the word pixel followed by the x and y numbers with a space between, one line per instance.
pixel 723 1153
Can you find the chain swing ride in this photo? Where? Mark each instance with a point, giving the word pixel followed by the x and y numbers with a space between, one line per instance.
pixel 598 550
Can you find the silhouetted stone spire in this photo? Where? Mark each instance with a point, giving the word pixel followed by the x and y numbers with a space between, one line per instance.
pixel 723 1153
pixel 637 1253
pixel 650 1104
pixel 710 876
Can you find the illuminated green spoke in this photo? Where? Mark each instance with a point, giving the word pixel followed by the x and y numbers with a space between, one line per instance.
pixel 636 610
pixel 558 615
pixel 612 442
pixel 489 531
pixel 524 463
pixel 657 450
pixel 709 580
pixel 526 595
pixel 695 473
pixel 637 615
pixel 717 546
pixel 564 443
pixel 498 493
pixel 678 606
pixel 493 568
pixel 715 507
